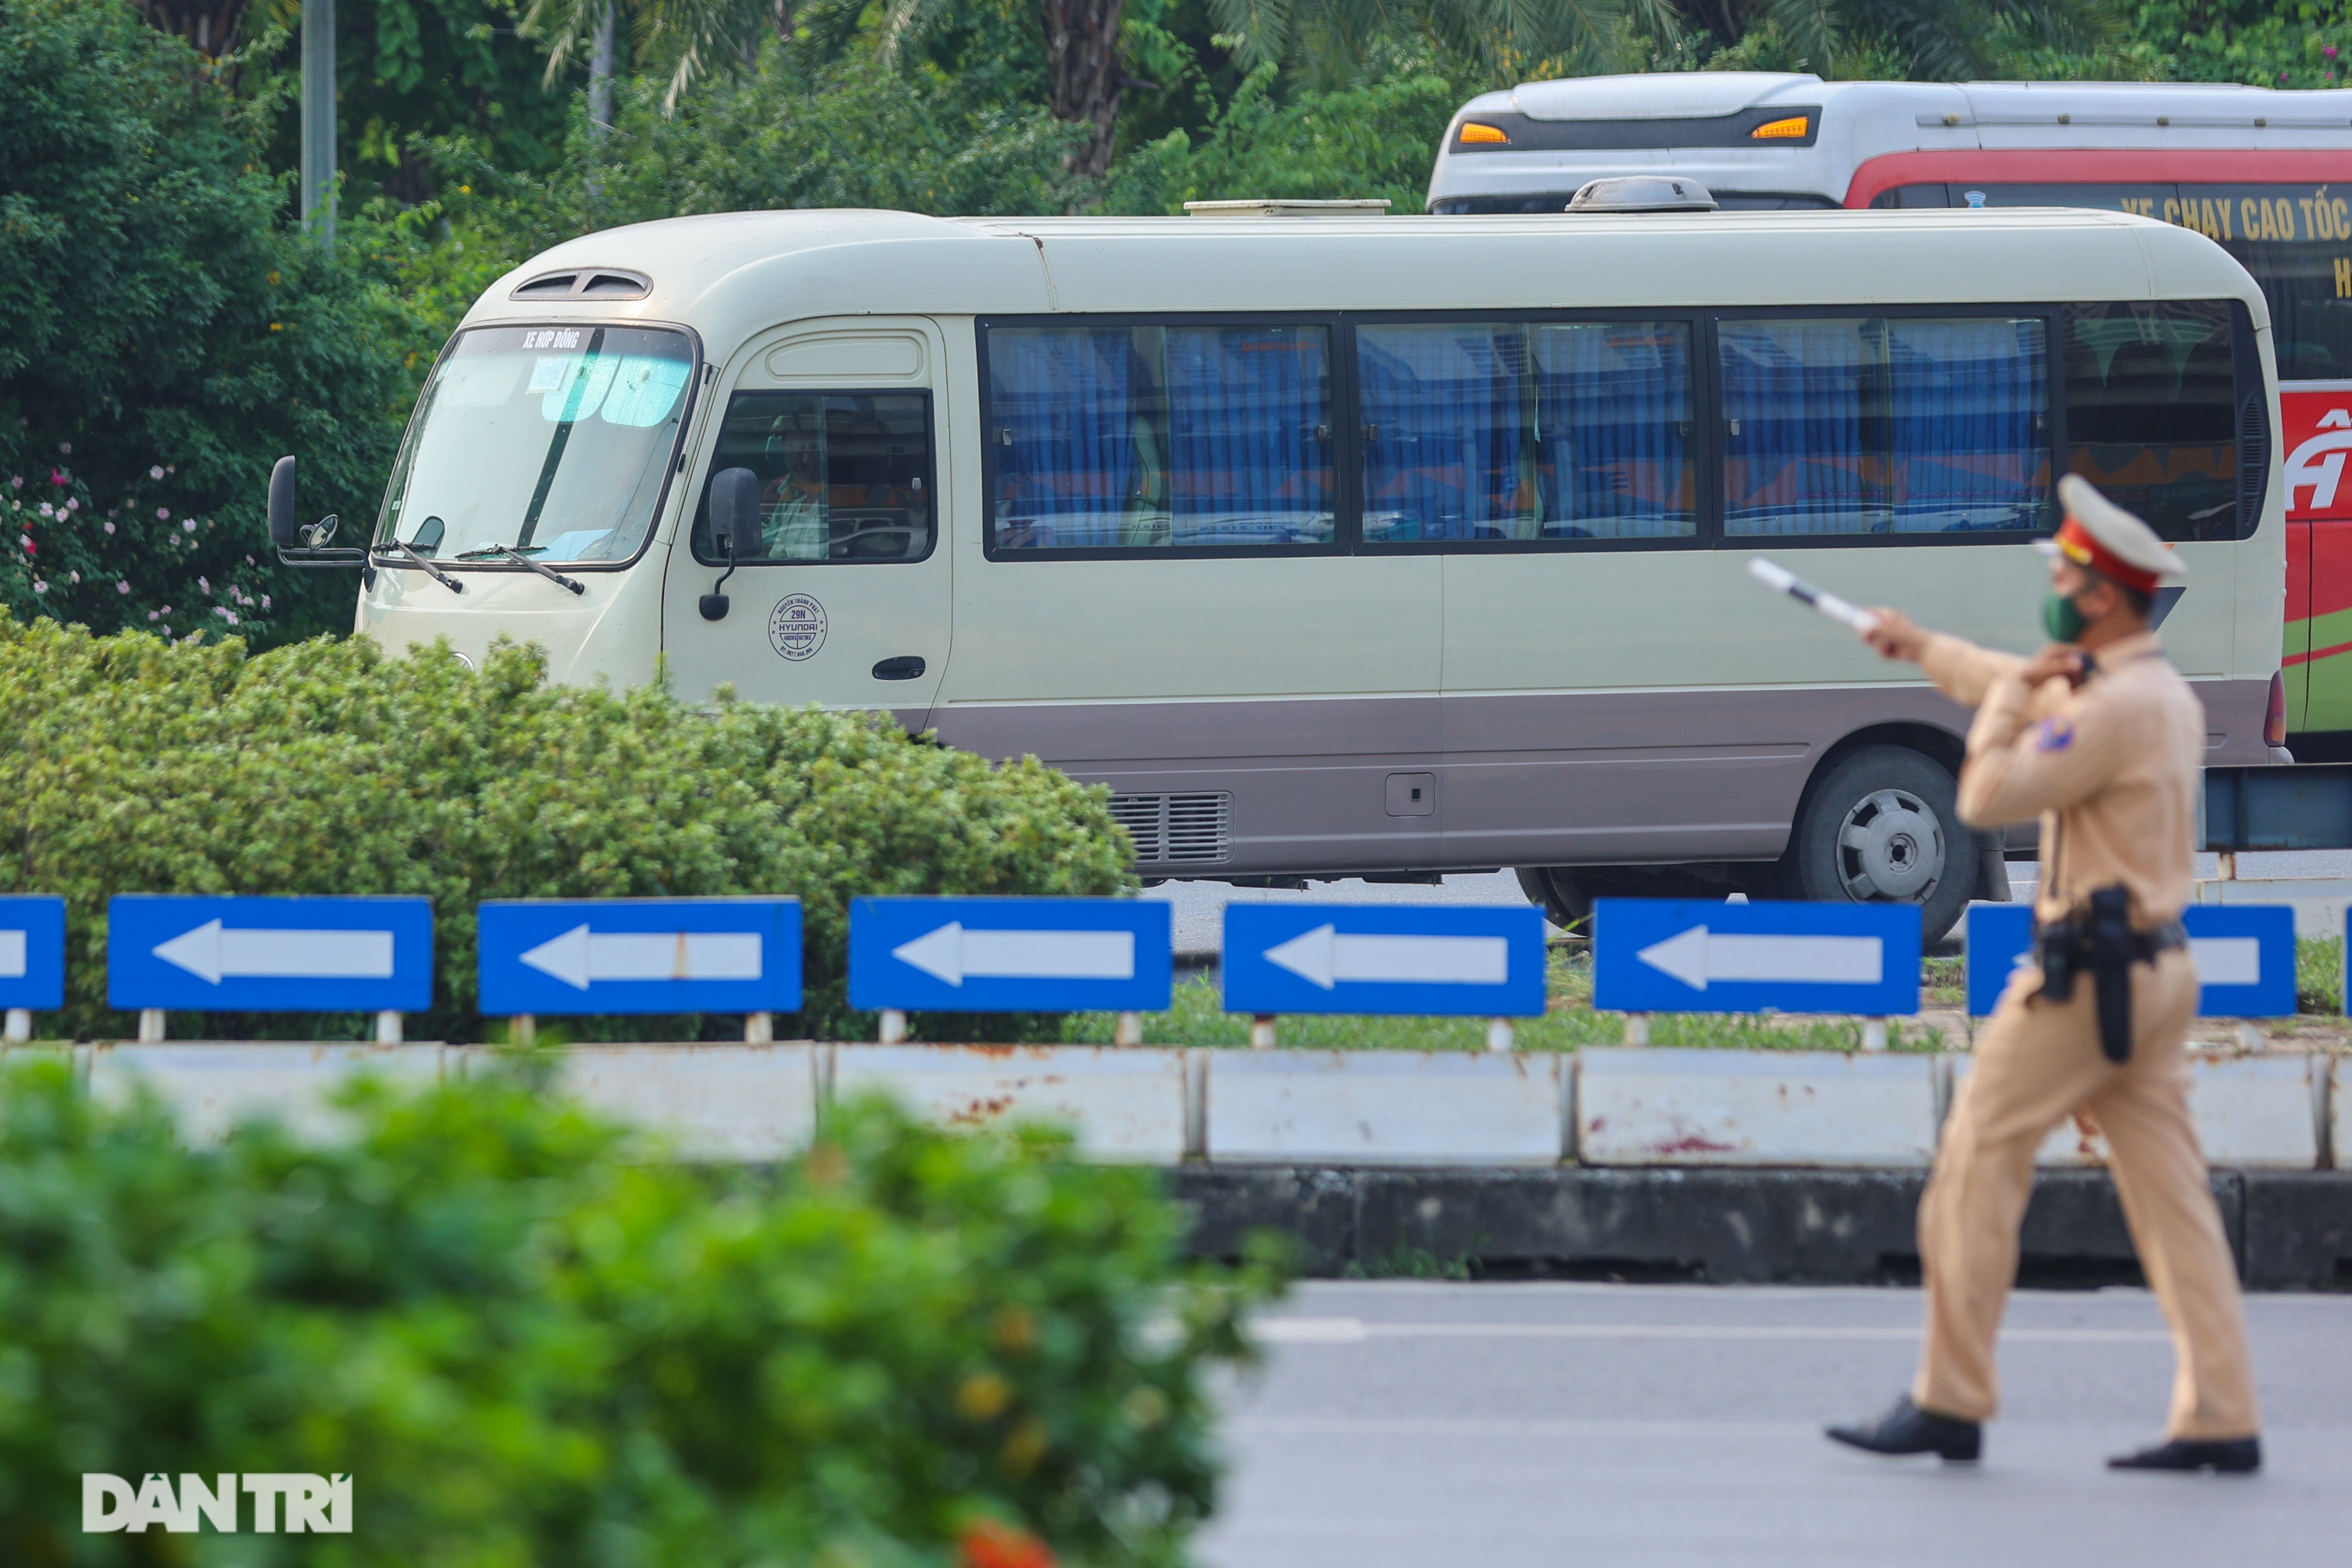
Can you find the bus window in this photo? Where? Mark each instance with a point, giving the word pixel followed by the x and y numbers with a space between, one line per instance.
pixel 843 476
pixel 2151 390
pixel 1151 437
pixel 1527 431
pixel 2297 242
pixel 1890 425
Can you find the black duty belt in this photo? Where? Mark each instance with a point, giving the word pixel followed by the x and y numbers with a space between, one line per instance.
pixel 2101 941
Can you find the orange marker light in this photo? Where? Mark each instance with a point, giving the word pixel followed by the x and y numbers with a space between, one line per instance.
pixel 1472 132
pixel 1781 130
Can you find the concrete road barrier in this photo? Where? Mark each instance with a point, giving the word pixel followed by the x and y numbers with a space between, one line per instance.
pixel 705 1101
pixel 1385 1108
pixel 2253 1112
pixel 1125 1103
pixel 1645 1107
pixel 214 1084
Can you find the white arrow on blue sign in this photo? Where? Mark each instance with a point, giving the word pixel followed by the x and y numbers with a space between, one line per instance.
pixel 1385 959
pixel 2244 955
pixel 1678 955
pixel 555 957
pixel 1011 955
pixel 270 955
pixel 33 953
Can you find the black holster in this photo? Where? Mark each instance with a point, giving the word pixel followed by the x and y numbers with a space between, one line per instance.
pixel 2101 941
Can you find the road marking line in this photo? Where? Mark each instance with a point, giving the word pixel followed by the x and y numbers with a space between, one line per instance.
pixel 1354 1330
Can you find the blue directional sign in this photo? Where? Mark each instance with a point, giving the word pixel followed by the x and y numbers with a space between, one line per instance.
pixel 2244 954
pixel 554 957
pixel 1011 955
pixel 33 953
pixel 270 955
pixel 1384 958
pixel 1676 955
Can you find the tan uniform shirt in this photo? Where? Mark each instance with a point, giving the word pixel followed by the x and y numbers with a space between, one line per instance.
pixel 2111 769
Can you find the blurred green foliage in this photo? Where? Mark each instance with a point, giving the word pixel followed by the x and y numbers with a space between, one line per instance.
pixel 328 768
pixel 163 338
pixel 527 1347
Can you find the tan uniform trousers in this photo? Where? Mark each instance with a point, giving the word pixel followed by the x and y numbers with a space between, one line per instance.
pixel 2036 1062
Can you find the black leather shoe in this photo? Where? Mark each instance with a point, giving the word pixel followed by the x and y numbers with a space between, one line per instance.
pixel 1908 1429
pixel 2230 1457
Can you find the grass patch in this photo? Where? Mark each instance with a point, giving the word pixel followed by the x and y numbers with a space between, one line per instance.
pixel 2319 975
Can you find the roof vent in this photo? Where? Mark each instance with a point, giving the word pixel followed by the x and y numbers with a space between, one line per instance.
pixel 1270 207
pixel 1641 193
pixel 589 283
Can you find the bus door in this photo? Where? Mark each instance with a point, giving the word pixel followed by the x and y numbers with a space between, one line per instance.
pixel 2317 437
pixel 844 599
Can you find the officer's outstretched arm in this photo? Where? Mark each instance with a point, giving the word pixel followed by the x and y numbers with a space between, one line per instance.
pixel 2018 768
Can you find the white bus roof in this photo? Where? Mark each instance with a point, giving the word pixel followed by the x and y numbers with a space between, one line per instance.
pixel 732 274
pixel 1863 120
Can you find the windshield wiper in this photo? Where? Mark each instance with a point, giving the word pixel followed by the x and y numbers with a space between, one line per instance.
pixel 431 570
pixel 552 575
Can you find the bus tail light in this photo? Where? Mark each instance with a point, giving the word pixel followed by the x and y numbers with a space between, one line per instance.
pixel 1795 125
pixel 1473 134
pixel 2275 721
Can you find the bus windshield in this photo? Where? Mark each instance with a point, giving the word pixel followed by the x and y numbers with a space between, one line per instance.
pixel 549 442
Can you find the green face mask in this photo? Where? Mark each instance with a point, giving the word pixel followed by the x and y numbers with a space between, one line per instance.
pixel 2061 618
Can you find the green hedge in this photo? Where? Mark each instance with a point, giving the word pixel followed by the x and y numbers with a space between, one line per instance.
pixel 325 767
pixel 531 1352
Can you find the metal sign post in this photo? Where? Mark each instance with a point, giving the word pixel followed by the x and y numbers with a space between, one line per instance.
pixel 164 952
pixel 1471 962
pixel 559 958
pixel 1011 955
pixel 2244 955
pixel 32 963
pixel 1674 955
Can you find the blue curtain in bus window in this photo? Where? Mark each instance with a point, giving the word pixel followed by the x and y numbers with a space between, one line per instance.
pixel 1065 408
pixel 1613 402
pixel 1797 457
pixel 1967 423
pixel 1249 434
pixel 1444 432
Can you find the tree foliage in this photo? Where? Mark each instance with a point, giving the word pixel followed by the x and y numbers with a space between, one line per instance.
pixel 163 338
pixel 328 768
pixel 526 1346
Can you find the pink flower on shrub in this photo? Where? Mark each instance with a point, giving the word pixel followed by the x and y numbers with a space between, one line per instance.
pixel 73 503
pixel 57 476
pixel 2329 52
pixel 154 615
pixel 64 448
pixel 40 586
pixel 16 481
pixel 264 601
pixel 188 524
pixel 205 584
pixel 163 514
pixel 73 576
pixel 121 587
pixel 156 472
pixel 110 528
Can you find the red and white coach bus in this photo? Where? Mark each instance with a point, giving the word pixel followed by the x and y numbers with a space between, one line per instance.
pixel 2265 175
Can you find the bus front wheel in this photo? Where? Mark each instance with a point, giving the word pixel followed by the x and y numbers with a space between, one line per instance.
pixel 1882 827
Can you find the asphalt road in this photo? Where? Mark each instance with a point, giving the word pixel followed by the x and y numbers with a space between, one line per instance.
pixel 1426 1425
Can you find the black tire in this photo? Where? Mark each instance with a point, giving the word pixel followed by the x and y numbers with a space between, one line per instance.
pixel 1881 828
pixel 1554 891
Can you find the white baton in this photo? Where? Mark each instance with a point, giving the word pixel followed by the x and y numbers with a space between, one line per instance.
pixel 1783 580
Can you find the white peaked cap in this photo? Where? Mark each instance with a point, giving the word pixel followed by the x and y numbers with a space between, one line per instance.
pixel 2103 536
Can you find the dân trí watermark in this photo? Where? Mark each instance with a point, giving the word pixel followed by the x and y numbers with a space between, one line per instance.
pixel 316 1505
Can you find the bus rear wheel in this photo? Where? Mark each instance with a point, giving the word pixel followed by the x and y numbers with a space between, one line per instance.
pixel 1881 828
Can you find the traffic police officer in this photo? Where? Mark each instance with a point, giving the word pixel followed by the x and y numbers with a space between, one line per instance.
pixel 2099 736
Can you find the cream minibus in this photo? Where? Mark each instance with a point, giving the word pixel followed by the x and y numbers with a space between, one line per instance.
pixel 1357 545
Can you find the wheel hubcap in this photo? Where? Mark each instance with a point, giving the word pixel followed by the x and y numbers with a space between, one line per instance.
pixel 1890 849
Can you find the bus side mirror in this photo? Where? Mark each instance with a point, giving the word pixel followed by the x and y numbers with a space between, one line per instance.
pixel 282 526
pixel 734 525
